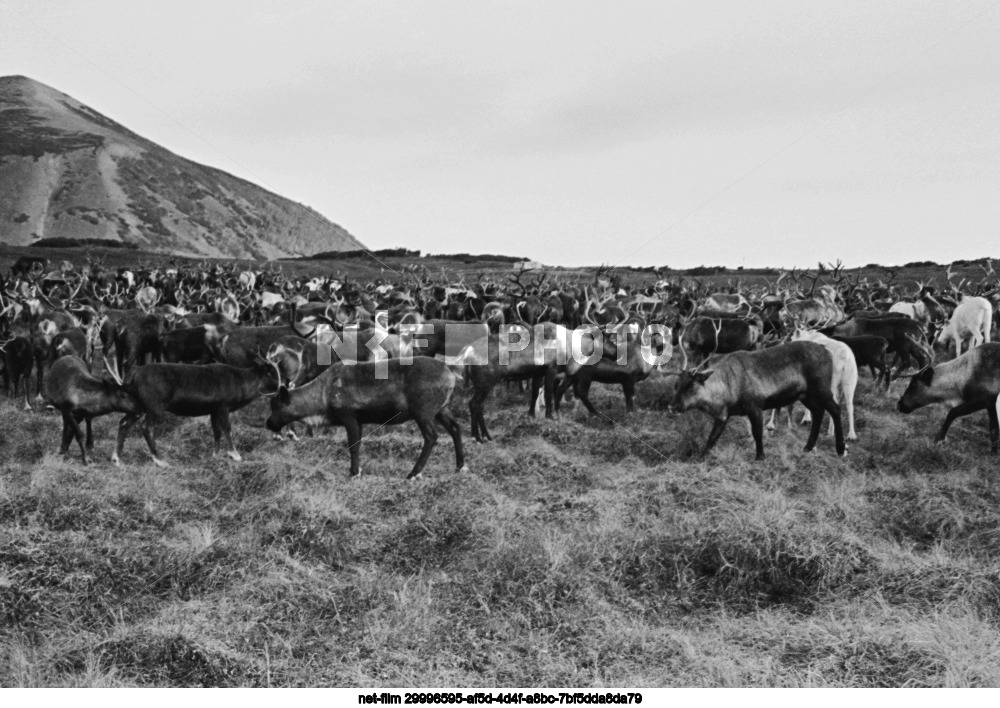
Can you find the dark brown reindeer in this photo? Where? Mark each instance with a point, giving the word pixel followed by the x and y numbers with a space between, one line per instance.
pixel 748 383
pixel 624 357
pixel 18 357
pixel 80 396
pixel 380 393
pixel 722 333
pixel 515 353
pixel 215 390
pixel 870 351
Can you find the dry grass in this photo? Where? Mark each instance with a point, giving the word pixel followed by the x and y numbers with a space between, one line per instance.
pixel 575 553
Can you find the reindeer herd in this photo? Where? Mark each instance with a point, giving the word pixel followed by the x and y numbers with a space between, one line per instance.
pixel 209 339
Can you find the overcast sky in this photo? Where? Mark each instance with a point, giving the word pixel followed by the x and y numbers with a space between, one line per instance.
pixel 574 133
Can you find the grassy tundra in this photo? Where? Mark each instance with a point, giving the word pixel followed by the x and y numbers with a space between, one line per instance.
pixel 574 554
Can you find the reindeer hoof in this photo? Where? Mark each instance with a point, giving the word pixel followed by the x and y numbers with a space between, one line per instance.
pixel 464 468
pixel 416 478
pixel 115 461
pixel 160 463
pixel 292 436
pixel 235 456
pixel 852 436
pixel 277 437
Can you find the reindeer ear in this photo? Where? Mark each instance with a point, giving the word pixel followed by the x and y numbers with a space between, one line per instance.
pixel 702 376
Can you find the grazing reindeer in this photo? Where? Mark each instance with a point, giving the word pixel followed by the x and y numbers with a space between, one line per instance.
pixel 606 363
pixel 968 383
pixel 486 362
pixel 214 390
pixel 79 395
pixel 972 318
pixel 748 383
pixel 299 361
pixel 380 393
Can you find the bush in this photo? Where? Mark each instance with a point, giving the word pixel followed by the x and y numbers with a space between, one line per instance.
pixel 82 242
pixel 358 253
pixel 473 258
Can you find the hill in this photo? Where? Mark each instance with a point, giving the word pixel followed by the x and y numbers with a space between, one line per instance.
pixel 66 171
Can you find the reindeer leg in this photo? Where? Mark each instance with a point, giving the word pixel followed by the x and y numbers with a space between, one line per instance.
pixel 39 365
pixel 74 423
pixel 67 436
pixel 561 389
pixel 581 387
pixel 628 387
pixel 479 431
pixel 216 432
pixel 994 426
pixel 756 416
pixel 834 409
pixel 550 384
pixel 25 385
pixel 957 412
pixel 536 386
pixel 446 419
pixel 713 436
pixel 430 438
pixel 817 422
pixel 147 433
pixel 847 402
pixel 353 428
pixel 226 428
pixel 124 426
pixel 90 433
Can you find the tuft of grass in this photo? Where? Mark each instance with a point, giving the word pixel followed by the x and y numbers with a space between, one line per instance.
pixel 576 552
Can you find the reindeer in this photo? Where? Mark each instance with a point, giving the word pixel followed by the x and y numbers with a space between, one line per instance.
pixel 624 356
pixel 968 383
pixel 515 353
pixel 528 307
pixel 719 334
pixel 972 318
pixel 18 357
pixel 377 393
pixel 215 390
pixel 80 396
pixel 748 383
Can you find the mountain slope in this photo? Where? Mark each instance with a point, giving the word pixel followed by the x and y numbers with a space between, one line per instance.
pixel 68 171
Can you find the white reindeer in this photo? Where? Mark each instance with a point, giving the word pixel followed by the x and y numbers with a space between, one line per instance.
pixel 972 318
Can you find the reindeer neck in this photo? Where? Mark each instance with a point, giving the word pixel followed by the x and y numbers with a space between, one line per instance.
pixel 309 399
